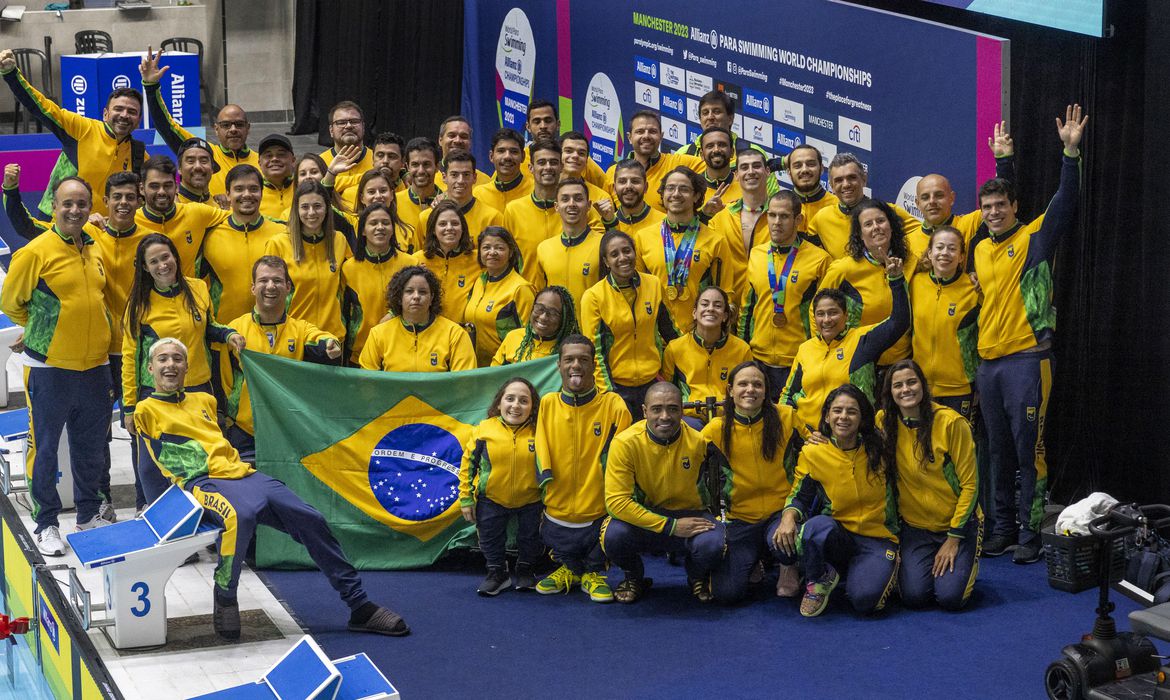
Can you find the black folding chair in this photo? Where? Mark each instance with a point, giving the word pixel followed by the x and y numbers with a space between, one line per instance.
pixel 188 44
pixel 93 41
pixel 25 60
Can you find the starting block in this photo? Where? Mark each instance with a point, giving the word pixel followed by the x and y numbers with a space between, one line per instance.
pixel 13 428
pixel 305 673
pixel 138 557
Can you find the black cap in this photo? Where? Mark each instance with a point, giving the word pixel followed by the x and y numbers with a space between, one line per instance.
pixel 275 140
pixel 196 142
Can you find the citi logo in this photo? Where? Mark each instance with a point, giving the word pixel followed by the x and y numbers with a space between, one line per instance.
pixel 855 134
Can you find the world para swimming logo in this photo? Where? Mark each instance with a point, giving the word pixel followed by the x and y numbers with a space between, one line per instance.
pixel 414 471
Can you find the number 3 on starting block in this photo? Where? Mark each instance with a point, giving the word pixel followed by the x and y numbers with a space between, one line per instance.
pixel 143 591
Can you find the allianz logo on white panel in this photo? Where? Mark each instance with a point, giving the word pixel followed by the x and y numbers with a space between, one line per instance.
pixel 692 110
pixel 757 131
pixel 672 76
pixel 646 95
pixel 788 112
pixel 699 84
pixel 674 131
pixel 854 133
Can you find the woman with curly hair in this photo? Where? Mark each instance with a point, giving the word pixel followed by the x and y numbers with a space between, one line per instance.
pixel 416 338
pixel 876 235
pixel 554 318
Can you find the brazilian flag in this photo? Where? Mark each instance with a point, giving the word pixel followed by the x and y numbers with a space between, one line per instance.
pixel 378 453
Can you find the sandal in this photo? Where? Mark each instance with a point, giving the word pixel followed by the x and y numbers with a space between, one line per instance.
pixel 631 589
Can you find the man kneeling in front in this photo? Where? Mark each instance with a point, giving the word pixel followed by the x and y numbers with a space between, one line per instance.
pixel 183 439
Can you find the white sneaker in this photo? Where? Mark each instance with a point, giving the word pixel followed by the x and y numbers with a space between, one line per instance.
pixel 106 512
pixel 95 521
pixel 50 543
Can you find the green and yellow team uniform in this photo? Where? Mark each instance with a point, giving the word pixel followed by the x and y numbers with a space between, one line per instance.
pixel 967 224
pixel 88 144
pixel 317 283
pixel 397 346
pixel 169 317
pixel 811 203
pixel 410 209
pixel 830 227
pixel 495 307
pixel 477 214
pixel 729 224
pixel 498 195
pixel 644 475
pixel 187 225
pixel 649 219
pixel 867 291
pixel 755 488
pixel 514 350
pixel 118 249
pixel 660 164
pixel 174 135
pixel 823 365
pixel 771 344
pixel 862 503
pixel 277 199
pixel 184 440
pixel 572 263
pixel 229 252
pixel 573 437
pixel 938 493
pixel 186 196
pixel 288 337
pixel 57 293
pixel 707 260
pixel 630 327
pixel 499 463
pixel 457 273
pixel 945 331
pixel 363 297
pixel 699 371
pixel 533 221
pixel 346 184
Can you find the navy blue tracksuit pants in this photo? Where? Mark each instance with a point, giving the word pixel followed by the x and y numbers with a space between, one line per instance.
pixel 491 523
pixel 80 401
pixel 624 544
pixel 918 586
pixel 746 543
pixel 239 505
pixel 1013 394
pixel 578 549
pixel 869 564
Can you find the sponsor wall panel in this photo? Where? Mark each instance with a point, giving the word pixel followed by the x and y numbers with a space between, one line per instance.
pixel 859 93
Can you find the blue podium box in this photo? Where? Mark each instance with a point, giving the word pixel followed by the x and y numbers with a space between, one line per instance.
pixel 88 79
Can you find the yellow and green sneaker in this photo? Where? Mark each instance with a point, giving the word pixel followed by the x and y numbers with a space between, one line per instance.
pixel 560 581
pixel 597 587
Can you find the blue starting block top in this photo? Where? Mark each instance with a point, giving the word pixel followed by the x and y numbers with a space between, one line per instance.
pixel 14 424
pixel 304 673
pixel 174 516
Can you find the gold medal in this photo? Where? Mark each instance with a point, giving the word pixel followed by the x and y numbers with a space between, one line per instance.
pixel 779 319
pixel 683 293
pixel 672 293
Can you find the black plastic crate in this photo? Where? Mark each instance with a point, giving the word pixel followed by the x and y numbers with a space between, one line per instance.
pixel 1074 562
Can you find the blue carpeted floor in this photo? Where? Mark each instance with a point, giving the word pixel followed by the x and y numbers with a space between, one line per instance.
pixel 522 645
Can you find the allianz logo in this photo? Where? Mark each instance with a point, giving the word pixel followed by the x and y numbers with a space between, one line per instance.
pixel 672 103
pixel 786 141
pixel 650 68
pixel 752 101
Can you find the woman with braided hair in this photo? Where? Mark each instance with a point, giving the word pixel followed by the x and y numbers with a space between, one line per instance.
pixel 553 318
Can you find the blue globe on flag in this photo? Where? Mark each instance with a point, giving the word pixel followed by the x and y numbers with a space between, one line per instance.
pixel 414 471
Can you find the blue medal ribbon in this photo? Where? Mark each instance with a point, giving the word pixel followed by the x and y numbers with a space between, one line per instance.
pixel 678 260
pixel 779 286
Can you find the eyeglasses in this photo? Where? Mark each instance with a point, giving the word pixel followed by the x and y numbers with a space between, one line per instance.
pixel 681 189
pixel 346 122
pixel 542 310
pixel 232 125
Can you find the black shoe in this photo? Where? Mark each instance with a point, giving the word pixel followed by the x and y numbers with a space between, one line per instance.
pixel 522 578
pixel 998 545
pixel 226 619
pixel 495 581
pixel 1027 553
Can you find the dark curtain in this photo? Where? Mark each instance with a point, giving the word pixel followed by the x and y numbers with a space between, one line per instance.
pixel 401 60
pixel 1109 414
